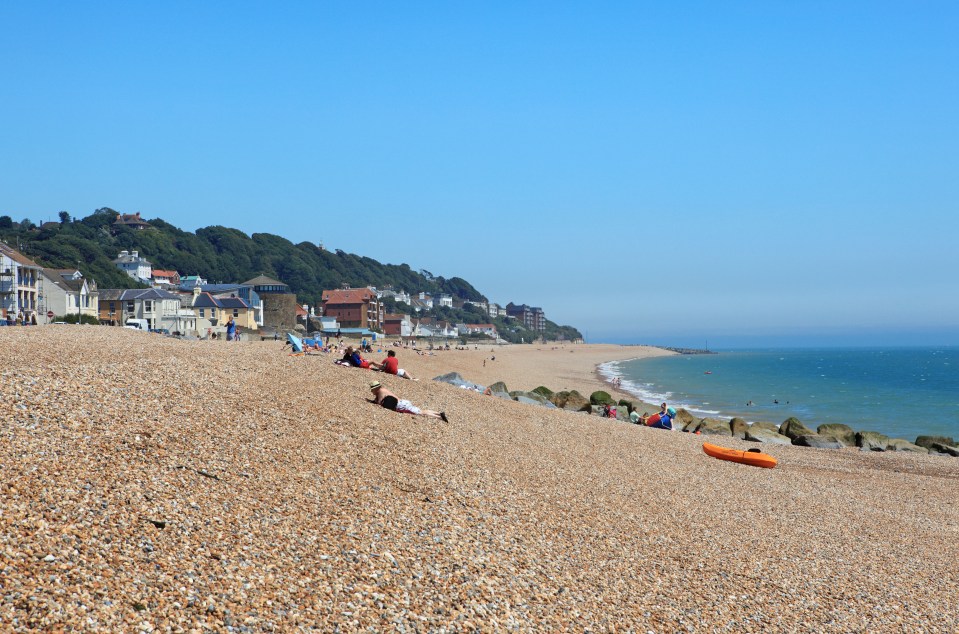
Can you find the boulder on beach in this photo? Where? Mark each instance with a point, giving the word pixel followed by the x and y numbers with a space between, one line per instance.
pixel 599 397
pixel 454 378
pixel 765 435
pixel 761 424
pixel 543 391
pixel 871 441
pixel 683 418
pixel 738 427
pixel 499 390
pixel 714 427
pixel 843 433
pixel 818 441
pixel 929 441
pixel 570 400
pixel 899 444
pixel 946 449
pixel 793 428
pixel 531 398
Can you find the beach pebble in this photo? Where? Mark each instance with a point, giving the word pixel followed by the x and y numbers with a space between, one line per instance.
pixel 154 484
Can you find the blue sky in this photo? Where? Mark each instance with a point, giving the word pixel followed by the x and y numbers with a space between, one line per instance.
pixel 745 173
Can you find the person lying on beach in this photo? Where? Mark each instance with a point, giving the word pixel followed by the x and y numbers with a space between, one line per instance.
pixel 391 365
pixel 384 398
pixel 353 358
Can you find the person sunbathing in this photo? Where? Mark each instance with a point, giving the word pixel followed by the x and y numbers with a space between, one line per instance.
pixel 384 398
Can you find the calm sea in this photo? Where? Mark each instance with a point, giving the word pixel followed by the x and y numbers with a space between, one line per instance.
pixel 902 392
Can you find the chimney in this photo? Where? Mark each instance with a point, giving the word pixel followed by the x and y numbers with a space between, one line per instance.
pixel 135 254
pixel 123 254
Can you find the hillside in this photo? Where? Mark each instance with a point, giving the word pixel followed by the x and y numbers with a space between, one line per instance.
pixel 222 254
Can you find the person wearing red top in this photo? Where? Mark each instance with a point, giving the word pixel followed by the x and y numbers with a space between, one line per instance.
pixel 391 365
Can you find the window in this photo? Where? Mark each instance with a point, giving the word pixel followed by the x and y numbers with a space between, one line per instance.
pixel 148 305
pixel 236 312
pixel 131 308
pixel 202 312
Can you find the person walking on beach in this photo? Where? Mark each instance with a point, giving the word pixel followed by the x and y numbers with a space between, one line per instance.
pixel 230 329
pixel 384 398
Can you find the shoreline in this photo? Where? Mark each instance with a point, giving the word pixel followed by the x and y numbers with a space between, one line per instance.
pixel 767 415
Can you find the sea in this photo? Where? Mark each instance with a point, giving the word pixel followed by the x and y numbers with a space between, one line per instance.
pixel 901 392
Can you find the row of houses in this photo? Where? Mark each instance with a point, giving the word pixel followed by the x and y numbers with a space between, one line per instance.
pixel 363 308
pixel 189 304
pixel 34 294
pixel 354 308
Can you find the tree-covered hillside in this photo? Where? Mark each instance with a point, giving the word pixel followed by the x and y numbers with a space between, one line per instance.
pixel 221 254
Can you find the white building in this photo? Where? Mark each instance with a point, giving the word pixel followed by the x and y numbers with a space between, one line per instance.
pixel 133 265
pixel 446 300
pixel 481 305
pixel 161 309
pixel 65 292
pixel 19 286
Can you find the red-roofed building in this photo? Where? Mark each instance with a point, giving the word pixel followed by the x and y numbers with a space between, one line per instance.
pixel 165 278
pixel 354 308
pixel 134 221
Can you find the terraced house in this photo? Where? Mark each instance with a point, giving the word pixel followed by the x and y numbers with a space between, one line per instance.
pixel 66 292
pixel 19 286
pixel 160 309
pixel 213 311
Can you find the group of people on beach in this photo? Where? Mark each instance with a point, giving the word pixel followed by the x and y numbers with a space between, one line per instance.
pixel 19 319
pixel 661 420
pixel 390 364
pixel 381 395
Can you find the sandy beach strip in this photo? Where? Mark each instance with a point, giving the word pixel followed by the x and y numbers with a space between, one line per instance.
pixel 526 367
pixel 152 484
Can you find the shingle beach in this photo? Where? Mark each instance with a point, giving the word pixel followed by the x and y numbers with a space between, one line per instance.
pixel 154 484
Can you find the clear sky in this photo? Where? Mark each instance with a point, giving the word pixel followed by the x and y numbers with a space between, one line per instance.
pixel 671 172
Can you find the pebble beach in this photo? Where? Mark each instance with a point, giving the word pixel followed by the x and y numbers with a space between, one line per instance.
pixel 151 484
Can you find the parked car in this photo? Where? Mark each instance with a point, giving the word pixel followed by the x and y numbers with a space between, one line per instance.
pixel 137 324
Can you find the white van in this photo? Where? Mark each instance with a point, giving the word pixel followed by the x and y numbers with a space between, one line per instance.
pixel 137 324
